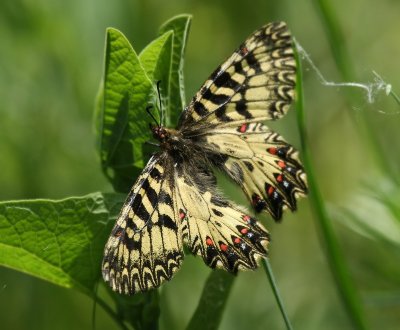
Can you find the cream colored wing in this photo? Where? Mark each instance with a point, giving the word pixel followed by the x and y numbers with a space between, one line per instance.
pixel 225 236
pixel 256 83
pixel 145 246
pixel 266 167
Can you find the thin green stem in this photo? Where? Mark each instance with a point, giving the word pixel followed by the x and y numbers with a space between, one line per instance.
pixel 395 96
pixel 344 64
pixel 388 88
pixel 111 313
pixel 335 257
pixel 271 278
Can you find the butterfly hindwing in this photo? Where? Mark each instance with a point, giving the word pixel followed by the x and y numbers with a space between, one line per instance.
pixel 225 236
pixel 145 245
pixel 262 163
pixel 256 83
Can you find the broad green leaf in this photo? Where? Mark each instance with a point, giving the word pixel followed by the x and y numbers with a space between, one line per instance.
pixel 156 56
pixel 212 303
pixel 59 241
pixel 176 99
pixel 156 60
pixel 124 125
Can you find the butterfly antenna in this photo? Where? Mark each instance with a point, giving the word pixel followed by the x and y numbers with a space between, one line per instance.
pixel 159 99
pixel 152 116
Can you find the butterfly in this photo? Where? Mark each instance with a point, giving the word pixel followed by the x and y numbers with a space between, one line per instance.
pixel 175 200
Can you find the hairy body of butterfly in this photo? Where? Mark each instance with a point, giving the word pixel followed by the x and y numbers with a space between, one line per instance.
pixel 175 200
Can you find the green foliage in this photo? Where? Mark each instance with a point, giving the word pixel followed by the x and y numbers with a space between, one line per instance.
pixel 59 241
pixel 334 255
pixel 62 241
pixel 212 303
pixel 141 311
pixel 127 91
pixel 176 91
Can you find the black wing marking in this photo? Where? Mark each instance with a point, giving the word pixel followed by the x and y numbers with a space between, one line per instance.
pixel 225 236
pixel 256 83
pixel 266 167
pixel 145 246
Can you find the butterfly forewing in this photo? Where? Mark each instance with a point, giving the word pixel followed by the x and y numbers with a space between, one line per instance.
pixel 145 245
pixel 256 83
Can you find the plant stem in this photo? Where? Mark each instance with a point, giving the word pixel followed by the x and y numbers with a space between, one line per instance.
pixel 335 257
pixel 343 62
pixel 111 313
pixel 271 278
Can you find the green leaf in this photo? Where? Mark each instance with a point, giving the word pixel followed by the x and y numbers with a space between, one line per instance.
pixel 212 303
pixel 156 56
pixel 176 96
pixel 124 127
pixel 156 59
pixel 59 241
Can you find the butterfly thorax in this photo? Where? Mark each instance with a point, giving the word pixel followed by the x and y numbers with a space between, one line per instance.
pixel 181 149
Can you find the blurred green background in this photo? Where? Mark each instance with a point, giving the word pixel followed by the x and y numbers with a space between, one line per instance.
pixel 50 66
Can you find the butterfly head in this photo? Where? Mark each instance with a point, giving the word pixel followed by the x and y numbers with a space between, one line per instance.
pixel 160 133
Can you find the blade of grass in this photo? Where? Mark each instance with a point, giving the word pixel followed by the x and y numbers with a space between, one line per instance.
pixel 271 279
pixel 335 257
pixel 344 64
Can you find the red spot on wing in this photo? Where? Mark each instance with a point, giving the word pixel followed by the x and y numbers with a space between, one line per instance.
pixel 182 214
pixel 279 178
pixel 246 218
pixel 244 50
pixel 237 240
pixel 244 231
pixel 209 241
pixel 281 164
pixel 272 150
pixel 255 199
pixel 223 247
pixel 270 190
pixel 243 128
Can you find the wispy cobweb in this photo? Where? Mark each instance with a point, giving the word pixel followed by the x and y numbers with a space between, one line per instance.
pixel 371 89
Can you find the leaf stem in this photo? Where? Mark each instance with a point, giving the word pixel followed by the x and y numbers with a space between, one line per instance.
pixel 111 313
pixel 271 279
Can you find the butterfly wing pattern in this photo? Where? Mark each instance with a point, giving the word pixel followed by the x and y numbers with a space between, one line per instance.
pixel 145 245
pixel 219 231
pixel 262 163
pixel 175 199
